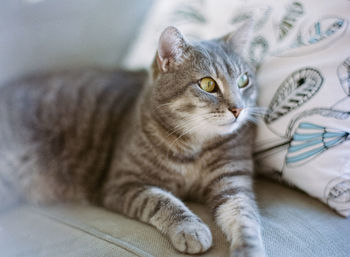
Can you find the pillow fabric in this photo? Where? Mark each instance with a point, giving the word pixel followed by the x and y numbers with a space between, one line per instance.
pixel 302 53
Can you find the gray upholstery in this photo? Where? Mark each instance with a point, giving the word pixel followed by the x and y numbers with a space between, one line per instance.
pixel 294 225
pixel 64 33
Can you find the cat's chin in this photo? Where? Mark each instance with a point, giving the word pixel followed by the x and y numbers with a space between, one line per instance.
pixel 218 130
pixel 211 130
pixel 229 128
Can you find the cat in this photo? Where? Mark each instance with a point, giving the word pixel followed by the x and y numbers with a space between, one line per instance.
pixel 136 142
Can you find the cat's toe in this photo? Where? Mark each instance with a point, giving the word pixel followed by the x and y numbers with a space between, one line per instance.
pixel 191 237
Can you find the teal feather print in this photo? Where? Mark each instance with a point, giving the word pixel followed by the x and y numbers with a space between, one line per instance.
pixel 294 12
pixel 315 36
pixel 310 140
pixel 324 29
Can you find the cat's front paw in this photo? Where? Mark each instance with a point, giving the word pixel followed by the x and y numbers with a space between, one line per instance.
pixel 191 237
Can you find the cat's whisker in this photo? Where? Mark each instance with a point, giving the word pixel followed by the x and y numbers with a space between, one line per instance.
pixel 160 106
pixel 189 130
pixel 258 110
pixel 183 134
pixel 200 118
pixel 179 127
pixel 256 113
pixel 183 126
pixel 253 119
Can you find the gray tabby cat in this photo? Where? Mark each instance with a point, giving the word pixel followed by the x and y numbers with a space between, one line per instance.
pixel 103 137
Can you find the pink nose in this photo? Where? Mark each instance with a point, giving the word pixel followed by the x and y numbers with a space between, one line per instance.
pixel 236 111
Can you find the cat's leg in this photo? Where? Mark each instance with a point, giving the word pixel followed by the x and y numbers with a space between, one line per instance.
pixel 168 214
pixel 231 199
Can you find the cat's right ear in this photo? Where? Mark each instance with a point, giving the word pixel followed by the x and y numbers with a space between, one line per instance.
pixel 238 40
pixel 172 49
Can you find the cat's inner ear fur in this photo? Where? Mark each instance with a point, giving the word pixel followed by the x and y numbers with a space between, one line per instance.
pixel 172 49
pixel 238 39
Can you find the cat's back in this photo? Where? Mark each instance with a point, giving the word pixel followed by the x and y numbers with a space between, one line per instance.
pixel 68 98
pixel 66 123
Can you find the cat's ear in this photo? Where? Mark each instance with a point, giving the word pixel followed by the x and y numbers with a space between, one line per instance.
pixel 238 40
pixel 172 49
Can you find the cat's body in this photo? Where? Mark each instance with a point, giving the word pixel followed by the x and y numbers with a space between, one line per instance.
pixel 136 145
pixel 71 120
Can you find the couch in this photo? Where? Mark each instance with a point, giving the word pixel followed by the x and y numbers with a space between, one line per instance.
pixel 42 35
pixel 293 226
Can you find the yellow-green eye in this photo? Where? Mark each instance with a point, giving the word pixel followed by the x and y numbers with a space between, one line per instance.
pixel 208 84
pixel 243 80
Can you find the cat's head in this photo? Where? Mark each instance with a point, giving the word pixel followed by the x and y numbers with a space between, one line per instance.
pixel 203 88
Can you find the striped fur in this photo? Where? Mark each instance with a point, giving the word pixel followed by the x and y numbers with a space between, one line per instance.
pixel 137 146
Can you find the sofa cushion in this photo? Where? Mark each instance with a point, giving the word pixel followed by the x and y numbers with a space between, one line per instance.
pixel 293 226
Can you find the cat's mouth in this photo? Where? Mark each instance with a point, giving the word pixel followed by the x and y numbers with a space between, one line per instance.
pixel 230 121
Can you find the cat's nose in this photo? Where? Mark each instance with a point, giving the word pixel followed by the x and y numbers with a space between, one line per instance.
pixel 236 111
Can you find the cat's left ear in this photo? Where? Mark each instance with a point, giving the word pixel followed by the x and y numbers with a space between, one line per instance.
pixel 172 49
pixel 238 40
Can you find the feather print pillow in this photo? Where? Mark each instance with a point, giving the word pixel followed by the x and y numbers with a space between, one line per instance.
pixel 304 138
pixel 302 54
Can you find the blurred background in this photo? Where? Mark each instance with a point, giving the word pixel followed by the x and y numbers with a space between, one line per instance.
pixel 39 35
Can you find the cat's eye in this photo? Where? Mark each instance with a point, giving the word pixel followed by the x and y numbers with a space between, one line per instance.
pixel 208 84
pixel 243 80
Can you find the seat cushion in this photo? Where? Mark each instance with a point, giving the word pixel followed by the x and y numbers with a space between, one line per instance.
pixel 293 225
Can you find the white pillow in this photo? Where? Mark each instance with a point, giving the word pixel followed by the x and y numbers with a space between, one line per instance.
pixel 302 49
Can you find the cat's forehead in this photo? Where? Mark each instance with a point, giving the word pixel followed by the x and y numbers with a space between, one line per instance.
pixel 211 56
